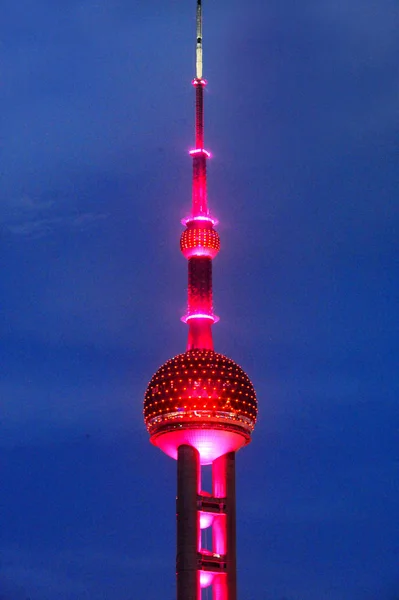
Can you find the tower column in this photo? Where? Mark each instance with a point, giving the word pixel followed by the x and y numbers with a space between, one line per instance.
pixel 187 574
pixel 230 459
pixel 224 486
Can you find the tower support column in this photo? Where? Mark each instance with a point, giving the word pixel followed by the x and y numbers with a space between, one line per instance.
pixel 224 486
pixel 187 574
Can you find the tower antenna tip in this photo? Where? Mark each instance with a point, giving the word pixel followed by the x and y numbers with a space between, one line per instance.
pixel 198 53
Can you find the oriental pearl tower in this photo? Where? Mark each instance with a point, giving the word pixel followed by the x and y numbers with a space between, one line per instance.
pixel 200 406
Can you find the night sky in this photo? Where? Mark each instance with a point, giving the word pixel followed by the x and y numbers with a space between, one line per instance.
pixel 302 120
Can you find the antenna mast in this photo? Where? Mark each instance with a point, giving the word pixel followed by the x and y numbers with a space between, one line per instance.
pixel 199 243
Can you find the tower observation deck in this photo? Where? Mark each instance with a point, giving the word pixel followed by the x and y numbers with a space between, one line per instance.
pixel 200 406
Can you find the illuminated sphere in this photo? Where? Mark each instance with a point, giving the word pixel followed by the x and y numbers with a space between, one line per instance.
pixel 199 241
pixel 203 399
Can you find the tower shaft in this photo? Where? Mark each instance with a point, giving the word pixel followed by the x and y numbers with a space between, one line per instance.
pixel 200 315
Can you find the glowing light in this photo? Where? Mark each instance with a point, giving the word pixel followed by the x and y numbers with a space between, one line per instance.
pixel 200 151
pixel 199 81
pixel 203 218
pixel 206 578
pixel 187 318
pixel 199 251
pixel 206 520
pixel 199 241
pixel 210 443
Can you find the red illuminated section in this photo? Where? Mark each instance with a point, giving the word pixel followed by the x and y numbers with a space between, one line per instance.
pixel 199 154
pixel 203 399
pixel 199 242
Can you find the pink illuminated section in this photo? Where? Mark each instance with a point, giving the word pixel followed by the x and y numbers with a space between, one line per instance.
pixel 206 520
pixel 219 534
pixel 199 81
pixel 204 243
pixel 210 443
pixel 200 152
pixel 199 239
pixel 188 318
pixel 199 251
pixel 200 219
pixel 206 578
pixel 200 334
pixel 220 589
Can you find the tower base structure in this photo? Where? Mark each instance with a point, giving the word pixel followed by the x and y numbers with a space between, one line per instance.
pixel 198 567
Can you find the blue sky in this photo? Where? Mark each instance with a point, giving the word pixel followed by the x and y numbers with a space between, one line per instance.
pixel 302 120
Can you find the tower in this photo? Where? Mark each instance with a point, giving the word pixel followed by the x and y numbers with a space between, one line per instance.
pixel 200 406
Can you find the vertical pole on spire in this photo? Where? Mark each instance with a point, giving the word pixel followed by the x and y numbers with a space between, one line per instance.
pixel 199 83
pixel 198 53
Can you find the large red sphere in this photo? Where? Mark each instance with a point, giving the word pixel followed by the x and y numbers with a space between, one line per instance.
pixel 201 398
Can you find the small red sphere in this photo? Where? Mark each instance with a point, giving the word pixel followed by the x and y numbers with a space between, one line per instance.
pixel 199 241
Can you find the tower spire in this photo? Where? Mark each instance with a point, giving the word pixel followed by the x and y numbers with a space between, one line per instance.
pixel 200 406
pixel 200 242
pixel 199 154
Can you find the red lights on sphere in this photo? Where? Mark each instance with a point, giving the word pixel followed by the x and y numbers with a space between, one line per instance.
pixel 196 241
pixel 200 388
pixel 203 399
